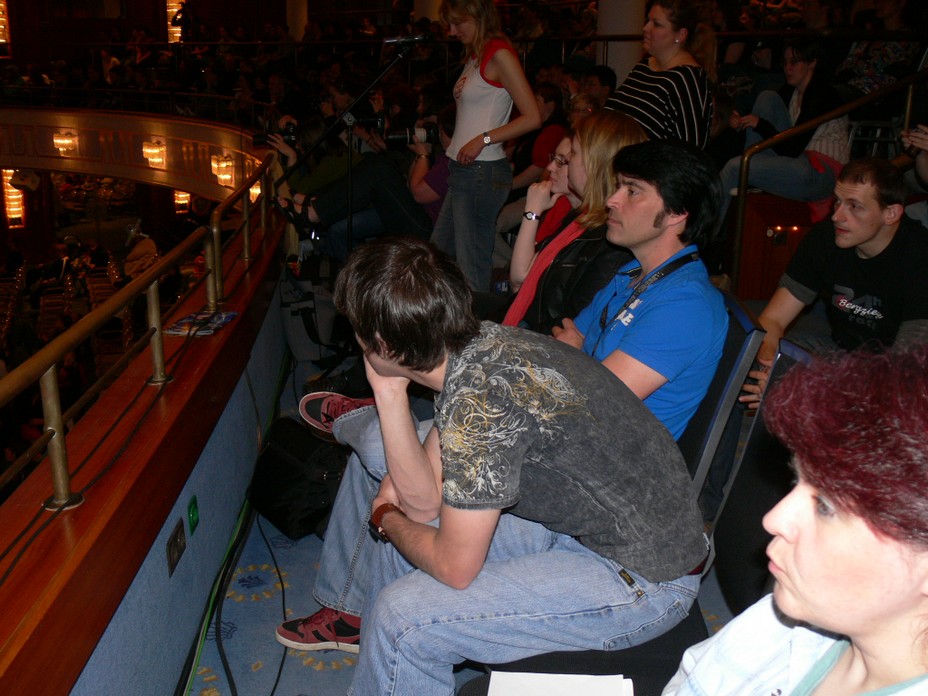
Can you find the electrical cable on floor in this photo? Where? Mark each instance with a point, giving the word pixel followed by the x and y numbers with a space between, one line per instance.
pixel 226 577
pixel 217 593
pixel 283 604
pixel 239 534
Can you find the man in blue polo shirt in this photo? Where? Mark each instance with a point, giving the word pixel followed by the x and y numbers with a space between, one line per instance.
pixel 659 325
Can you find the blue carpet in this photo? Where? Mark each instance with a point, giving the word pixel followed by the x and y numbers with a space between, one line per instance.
pixel 254 605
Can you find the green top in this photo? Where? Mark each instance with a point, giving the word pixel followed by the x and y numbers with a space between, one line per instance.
pixel 826 662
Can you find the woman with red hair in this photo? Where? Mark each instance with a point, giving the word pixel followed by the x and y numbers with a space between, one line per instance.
pixel 849 555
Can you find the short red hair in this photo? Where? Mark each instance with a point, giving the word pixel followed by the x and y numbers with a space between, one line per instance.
pixel 857 425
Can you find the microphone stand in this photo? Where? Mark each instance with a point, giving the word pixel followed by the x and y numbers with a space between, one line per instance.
pixel 402 50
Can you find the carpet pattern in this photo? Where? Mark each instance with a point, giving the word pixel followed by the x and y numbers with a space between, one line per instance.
pixel 258 599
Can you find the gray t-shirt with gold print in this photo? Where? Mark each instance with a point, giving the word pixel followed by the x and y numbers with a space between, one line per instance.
pixel 533 426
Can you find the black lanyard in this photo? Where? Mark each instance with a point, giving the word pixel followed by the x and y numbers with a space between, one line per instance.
pixel 662 272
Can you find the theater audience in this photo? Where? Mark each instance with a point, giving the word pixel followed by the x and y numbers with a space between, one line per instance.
pixel 871 65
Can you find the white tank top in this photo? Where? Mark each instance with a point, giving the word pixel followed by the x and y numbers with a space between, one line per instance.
pixel 482 105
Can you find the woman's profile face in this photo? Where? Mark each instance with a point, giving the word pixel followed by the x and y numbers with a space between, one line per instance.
pixel 798 71
pixel 557 169
pixel 463 28
pixel 658 35
pixel 576 168
pixel 834 572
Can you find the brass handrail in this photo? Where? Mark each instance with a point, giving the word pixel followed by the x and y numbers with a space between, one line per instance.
pixel 42 366
pixel 907 82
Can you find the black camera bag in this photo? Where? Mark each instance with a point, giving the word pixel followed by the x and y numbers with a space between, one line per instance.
pixel 296 479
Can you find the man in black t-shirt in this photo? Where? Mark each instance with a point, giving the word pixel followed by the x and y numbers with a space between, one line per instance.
pixel 869 264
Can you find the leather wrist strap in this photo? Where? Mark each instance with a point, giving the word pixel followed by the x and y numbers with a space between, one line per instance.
pixel 376 521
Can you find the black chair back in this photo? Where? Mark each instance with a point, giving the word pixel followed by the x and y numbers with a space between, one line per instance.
pixel 762 476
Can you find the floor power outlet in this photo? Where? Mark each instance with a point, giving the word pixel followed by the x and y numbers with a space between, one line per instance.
pixel 177 543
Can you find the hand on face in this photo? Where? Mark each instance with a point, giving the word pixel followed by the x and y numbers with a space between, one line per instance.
pixel 384 377
pixel 540 198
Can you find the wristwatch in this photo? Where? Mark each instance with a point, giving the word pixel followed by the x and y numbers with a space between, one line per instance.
pixel 486 139
pixel 529 215
pixel 376 521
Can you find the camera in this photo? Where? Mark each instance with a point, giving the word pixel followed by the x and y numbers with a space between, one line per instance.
pixel 288 133
pixel 398 138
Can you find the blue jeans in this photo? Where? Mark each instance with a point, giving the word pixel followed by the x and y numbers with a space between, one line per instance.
pixel 538 591
pixel 466 226
pixel 790 177
pixel 349 551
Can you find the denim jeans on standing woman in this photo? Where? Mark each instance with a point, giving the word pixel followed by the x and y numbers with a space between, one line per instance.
pixel 466 226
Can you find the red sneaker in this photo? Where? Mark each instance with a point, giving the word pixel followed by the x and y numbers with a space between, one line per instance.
pixel 320 409
pixel 327 629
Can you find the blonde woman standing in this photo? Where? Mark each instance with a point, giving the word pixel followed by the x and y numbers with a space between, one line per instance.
pixel 491 83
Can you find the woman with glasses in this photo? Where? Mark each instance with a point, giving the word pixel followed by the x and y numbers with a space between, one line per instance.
pixel 560 276
pixel 531 154
pixel 803 167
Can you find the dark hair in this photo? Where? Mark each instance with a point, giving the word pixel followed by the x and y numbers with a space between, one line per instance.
pixel 605 75
pixel 882 174
pixel 683 14
pixel 700 38
pixel 857 425
pixel 804 49
pixel 685 178
pixel 406 301
pixel 551 93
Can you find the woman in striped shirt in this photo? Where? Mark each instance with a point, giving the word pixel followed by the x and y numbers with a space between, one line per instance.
pixel 669 91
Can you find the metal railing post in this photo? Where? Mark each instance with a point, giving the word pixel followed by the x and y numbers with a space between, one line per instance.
pixel 215 226
pixel 156 342
pixel 246 226
pixel 57 448
pixel 212 301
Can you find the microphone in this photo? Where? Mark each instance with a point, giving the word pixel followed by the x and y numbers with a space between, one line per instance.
pixel 408 40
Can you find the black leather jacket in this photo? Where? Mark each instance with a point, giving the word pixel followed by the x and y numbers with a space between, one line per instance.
pixel 577 273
